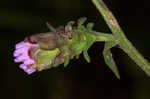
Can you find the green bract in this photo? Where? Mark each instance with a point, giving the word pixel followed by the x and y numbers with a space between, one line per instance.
pixel 80 41
pixel 62 45
pixel 45 58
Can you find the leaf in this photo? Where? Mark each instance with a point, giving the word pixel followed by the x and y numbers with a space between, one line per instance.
pixel 109 59
pixel 86 56
pixel 90 26
pixel 67 61
pixel 81 21
pixel 89 41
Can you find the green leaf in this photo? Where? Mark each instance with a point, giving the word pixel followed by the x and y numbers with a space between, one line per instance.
pixel 67 61
pixel 90 39
pixel 81 21
pixel 109 59
pixel 78 47
pixel 86 56
pixel 90 26
pixel 78 44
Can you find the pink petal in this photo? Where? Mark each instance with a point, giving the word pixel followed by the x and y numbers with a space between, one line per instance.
pixel 16 54
pixel 29 62
pixel 21 58
pixel 21 50
pixel 24 67
pixel 19 45
pixel 30 71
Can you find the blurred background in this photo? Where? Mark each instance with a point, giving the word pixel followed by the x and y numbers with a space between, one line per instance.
pixel 80 80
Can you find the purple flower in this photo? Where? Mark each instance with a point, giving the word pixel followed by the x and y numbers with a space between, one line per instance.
pixel 22 54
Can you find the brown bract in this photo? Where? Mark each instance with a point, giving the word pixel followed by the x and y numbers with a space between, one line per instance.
pixel 47 41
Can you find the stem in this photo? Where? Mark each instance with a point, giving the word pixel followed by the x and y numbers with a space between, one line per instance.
pixel 123 42
pixel 102 37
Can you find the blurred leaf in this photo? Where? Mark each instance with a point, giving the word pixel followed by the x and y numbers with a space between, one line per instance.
pixel 90 26
pixel 86 56
pixel 81 21
pixel 67 61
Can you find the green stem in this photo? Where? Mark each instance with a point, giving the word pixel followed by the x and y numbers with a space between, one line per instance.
pixel 119 36
pixel 101 37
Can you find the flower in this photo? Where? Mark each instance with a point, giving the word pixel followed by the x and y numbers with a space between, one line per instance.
pixel 46 50
pixel 22 54
pixel 38 52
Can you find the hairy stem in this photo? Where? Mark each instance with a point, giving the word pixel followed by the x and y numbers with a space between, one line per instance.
pixel 119 36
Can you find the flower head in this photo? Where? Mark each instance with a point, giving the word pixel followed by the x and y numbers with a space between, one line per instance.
pixel 45 50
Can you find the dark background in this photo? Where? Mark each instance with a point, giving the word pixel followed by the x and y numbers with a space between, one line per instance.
pixel 80 80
